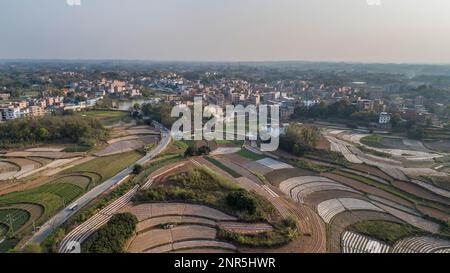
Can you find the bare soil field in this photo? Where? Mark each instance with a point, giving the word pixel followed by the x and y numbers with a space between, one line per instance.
pixel 203 250
pixel 420 192
pixel 50 155
pixel 45 149
pixel 8 167
pixel 194 244
pixel 411 219
pixel 178 220
pixel 114 140
pixel 256 167
pixel 316 198
pixel 439 146
pixel 275 177
pixel 360 186
pixel 370 170
pixel 240 160
pixel 146 211
pixel 434 213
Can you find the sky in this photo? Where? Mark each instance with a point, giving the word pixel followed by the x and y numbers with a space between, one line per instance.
pixel 393 31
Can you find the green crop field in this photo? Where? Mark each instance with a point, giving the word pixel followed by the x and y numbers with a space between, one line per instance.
pixel 385 231
pixel 77 180
pixel 3 229
pixel 250 155
pixel 372 141
pixel 50 196
pixel 12 218
pixel 63 190
pixel 106 166
pixel 108 117
pixel 223 167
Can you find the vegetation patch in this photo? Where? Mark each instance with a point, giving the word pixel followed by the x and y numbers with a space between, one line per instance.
pixel 372 139
pixel 106 166
pixel 219 164
pixel 201 186
pixel 111 238
pixel 385 231
pixel 309 166
pixel 51 197
pixel 284 232
pixel 108 117
pixel 77 148
pixel 22 132
pixel 77 180
pixel 252 156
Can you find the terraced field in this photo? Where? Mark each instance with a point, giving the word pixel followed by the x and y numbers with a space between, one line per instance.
pixel 193 226
pixel 107 166
pixel 71 184
pixel 77 180
pixel 422 244
pixel 298 188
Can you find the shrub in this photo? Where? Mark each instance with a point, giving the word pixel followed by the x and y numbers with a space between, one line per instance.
pixel 112 237
pixel 137 169
pixel 241 201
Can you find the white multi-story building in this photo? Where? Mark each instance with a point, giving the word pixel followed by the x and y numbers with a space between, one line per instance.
pixel 385 118
pixel 10 112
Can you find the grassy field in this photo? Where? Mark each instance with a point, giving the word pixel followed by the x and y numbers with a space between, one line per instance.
pixel 229 142
pixel 108 117
pixel 77 180
pixel 106 166
pixel 223 167
pixel 12 218
pixel 51 196
pixel 252 156
pixel 372 140
pixel 385 231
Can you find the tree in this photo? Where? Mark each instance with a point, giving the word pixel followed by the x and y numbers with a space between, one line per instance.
pixel 43 134
pixel 111 237
pixel 241 201
pixel 137 169
pixel 299 140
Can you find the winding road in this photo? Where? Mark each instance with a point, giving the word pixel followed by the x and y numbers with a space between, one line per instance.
pixel 62 216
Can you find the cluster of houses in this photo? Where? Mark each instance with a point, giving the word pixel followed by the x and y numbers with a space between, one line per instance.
pixel 218 90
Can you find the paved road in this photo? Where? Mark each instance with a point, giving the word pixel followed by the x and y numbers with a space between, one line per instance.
pixel 84 230
pixel 62 216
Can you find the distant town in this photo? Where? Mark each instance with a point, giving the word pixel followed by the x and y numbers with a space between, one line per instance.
pixel 377 103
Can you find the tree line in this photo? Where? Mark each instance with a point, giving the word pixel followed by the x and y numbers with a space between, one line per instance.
pixel 25 131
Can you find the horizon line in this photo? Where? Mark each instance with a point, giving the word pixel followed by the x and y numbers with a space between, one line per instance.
pixel 219 61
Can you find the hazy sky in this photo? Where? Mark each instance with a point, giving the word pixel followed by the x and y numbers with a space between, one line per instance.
pixel 228 30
